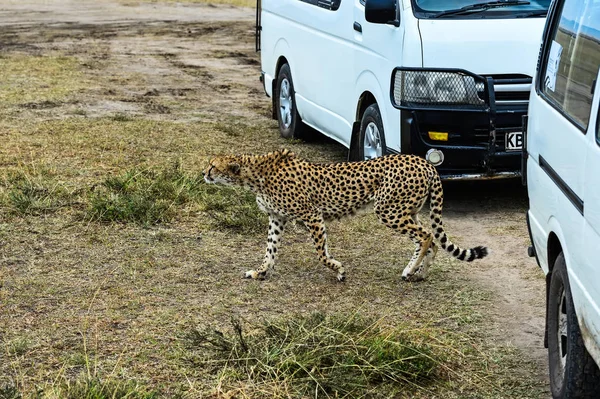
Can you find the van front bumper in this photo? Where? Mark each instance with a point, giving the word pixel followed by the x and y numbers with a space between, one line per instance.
pixel 462 106
pixel 473 150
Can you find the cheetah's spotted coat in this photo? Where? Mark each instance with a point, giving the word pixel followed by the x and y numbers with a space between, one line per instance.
pixel 290 188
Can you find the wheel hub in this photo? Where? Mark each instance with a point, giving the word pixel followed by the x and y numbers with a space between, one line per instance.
pixel 562 333
pixel 285 103
pixel 372 143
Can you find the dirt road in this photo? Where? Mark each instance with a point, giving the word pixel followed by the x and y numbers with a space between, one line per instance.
pixel 188 63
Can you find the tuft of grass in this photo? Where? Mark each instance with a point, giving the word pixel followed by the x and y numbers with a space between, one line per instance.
pixel 232 208
pixel 121 117
pixel 80 112
pixel 146 197
pixel 18 347
pixel 9 392
pixel 94 388
pixel 150 197
pixel 33 193
pixel 333 356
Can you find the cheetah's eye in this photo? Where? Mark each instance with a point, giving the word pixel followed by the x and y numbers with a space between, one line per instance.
pixel 234 168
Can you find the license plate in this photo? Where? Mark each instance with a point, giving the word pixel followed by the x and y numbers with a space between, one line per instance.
pixel 514 141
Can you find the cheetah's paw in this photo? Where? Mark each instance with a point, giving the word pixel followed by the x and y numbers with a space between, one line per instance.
pixel 253 274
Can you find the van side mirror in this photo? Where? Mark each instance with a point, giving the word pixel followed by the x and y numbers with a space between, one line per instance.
pixel 382 12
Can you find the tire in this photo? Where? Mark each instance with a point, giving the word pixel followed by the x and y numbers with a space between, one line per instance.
pixel 290 123
pixel 573 372
pixel 371 138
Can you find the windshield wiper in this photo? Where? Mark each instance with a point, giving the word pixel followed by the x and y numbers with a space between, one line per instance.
pixel 478 7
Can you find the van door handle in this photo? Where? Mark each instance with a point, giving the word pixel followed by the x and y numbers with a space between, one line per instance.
pixel 357 27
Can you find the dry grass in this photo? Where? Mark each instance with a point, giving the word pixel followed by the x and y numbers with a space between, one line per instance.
pixel 340 355
pixel 38 81
pixel 112 250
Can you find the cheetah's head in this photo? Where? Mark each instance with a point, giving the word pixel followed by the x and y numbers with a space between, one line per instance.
pixel 224 170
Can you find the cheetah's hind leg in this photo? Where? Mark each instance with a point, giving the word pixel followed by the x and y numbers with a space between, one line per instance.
pixel 419 258
pixel 421 272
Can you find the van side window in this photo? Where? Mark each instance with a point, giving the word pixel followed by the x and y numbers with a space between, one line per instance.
pixel 332 5
pixel 598 127
pixel 572 60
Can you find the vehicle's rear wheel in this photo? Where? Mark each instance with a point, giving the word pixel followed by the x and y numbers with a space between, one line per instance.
pixel 573 372
pixel 290 123
pixel 371 139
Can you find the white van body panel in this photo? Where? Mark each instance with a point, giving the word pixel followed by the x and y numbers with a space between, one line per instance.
pixel 487 46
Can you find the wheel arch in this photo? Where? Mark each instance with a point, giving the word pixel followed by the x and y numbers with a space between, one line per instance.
pixel 281 61
pixel 365 99
pixel 554 249
pixel 282 53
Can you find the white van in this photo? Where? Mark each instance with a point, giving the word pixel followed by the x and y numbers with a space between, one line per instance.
pixel 562 164
pixel 445 79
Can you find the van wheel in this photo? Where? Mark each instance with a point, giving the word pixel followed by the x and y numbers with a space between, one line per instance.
pixel 573 372
pixel 371 139
pixel 290 123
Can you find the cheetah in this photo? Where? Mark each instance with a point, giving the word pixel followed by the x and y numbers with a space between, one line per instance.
pixel 290 188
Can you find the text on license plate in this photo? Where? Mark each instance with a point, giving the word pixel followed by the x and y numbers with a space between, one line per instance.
pixel 514 141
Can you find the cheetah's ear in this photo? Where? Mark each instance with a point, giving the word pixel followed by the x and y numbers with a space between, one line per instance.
pixel 234 168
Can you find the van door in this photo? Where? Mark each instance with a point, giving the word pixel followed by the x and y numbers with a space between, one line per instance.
pixel 378 50
pixel 320 34
pixel 589 275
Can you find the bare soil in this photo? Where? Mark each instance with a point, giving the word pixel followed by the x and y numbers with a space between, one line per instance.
pixel 193 67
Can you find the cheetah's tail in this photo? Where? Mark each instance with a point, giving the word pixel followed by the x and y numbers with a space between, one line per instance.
pixel 435 214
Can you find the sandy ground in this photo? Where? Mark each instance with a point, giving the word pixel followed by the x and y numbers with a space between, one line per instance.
pixel 479 213
pixel 56 12
pixel 513 277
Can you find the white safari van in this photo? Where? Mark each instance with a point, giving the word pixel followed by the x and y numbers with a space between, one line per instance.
pixel 445 79
pixel 562 164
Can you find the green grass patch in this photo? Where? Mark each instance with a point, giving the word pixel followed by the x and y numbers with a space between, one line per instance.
pixel 27 192
pixel 145 196
pixel 150 197
pixel 9 392
pixel 317 355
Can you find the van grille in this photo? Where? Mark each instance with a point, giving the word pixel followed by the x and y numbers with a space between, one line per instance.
pixel 512 90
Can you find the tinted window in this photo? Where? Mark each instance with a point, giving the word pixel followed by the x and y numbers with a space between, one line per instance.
pixel 598 127
pixel 572 60
pixel 332 5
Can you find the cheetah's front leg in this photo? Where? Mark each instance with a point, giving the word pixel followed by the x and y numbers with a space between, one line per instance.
pixel 276 227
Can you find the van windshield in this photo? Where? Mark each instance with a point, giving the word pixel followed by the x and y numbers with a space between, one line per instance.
pixel 480 8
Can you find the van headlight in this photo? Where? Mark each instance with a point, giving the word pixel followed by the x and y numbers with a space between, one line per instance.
pixel 420 88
